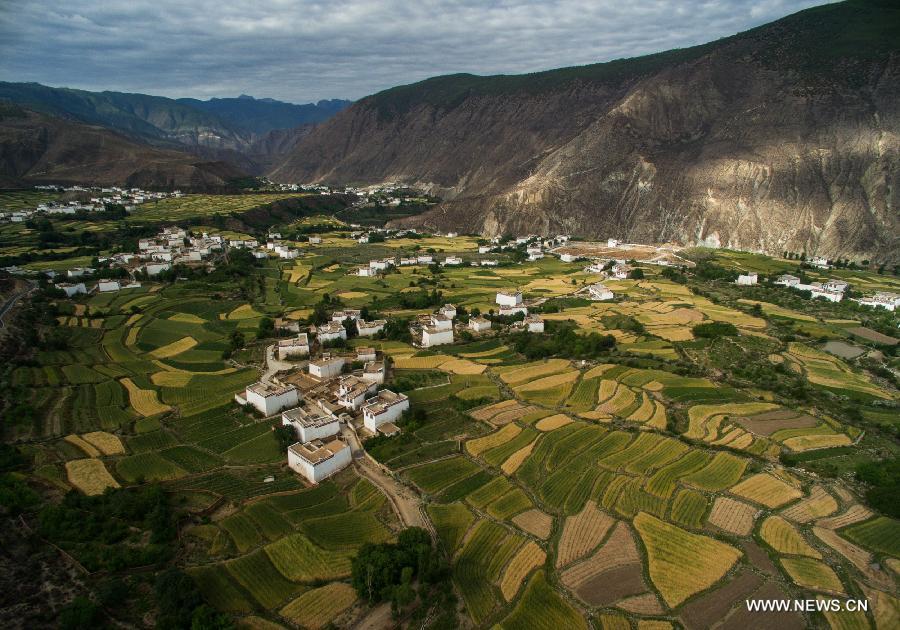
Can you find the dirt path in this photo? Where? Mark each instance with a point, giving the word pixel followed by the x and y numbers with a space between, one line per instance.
pixel 273 365
pixel 406 503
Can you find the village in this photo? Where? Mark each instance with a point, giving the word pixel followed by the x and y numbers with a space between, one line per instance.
pixel 100 199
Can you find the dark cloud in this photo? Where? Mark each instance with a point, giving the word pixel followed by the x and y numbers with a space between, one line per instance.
pixel 303 50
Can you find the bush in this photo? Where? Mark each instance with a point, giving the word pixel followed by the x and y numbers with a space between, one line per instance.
pixel 712 330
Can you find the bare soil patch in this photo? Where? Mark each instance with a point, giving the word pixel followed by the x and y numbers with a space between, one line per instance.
pixel 582 533
pixel 646 604
pixel 535 522
pixel 873 335
pixel 742 619
pixel 772 421
pixel 610 586
pixel 707 609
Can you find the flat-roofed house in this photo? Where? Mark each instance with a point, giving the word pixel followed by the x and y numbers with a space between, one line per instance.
pixel 747 279
pixel 599 292
pixel 365 272
pixel 352 392
pixel 620 271
pixel 364 353
pixel 340 316
pixel 441 322
pixel 386 407
pixel 434 336
pixel 787 280
pixel 534 324
pixel 509 298
pixel 448 310
pixel 452 260
pixel 107 286
pixel 326 367
pixel 269 398
pixel 425 259
pixel 836 285
pixel 330 331
pixel 72 289
pixel 318 460
pixel 881 299
pixel 311 422
pixel 479 324
pixel 373 372
pixel 513 310
pixel 370 329
pixel 295 347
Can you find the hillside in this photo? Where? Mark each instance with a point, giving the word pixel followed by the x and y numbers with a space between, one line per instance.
pixel 35 148
pixel 223 125
pixel 780 138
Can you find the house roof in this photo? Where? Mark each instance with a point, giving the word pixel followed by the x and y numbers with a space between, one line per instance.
pixel 317 451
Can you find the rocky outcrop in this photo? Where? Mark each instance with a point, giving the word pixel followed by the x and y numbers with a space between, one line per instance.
pixel 781 138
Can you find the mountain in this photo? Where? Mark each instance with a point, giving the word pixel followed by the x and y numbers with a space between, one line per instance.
pixel 223 125
pixel 784 137
pixel 36 148
pixel 260 116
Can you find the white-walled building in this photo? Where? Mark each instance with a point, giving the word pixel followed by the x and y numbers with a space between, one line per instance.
pixel 599 292
pixel 352 391
pixel 787 280
pixel 326 367
pixel 319 460
pixel 620 271
pixel 479 324
pixel 107 286
pixel 311 422
pixel 365 354
pixel 448 310
pixel 340 316
pixel 433 336
pixel 513 310
pixel 72 289
pixel 838 286
pixel 507 298
pixel 568 258
pixel 425 259
pixel 369 329
pixel 330 332
pixel 819 261
pixel 534 324
pixel 881 299
pixel 441 322
pixel 373 372
pixel 386 407
pixel 154 269
pixel 295 347
pixel 269 398
pixel 747 279
pixel 611 242
pixel 365 272
pixel 452 260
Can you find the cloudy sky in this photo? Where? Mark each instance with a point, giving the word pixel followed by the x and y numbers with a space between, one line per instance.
pixel 305 50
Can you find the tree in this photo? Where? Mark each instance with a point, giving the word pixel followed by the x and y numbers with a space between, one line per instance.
pixel 636 274
pixel 712 330
pixel 266 327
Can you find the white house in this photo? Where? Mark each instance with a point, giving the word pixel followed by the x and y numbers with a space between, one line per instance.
pixel 599 292
pixel 365 272
pixel 534 323
pixel 386 407
pixel 269 398
pixel 373 372
pixel 611 242
pixel 315 240
pixel 154 269
pixel 311 423
pixel 620 271
pixel 260 255
pixel 378 265
pixel 295 347
pixel 365 354
pixel 107 286
pixel 819 261
pixel 788 280
pixel 484 249
pixel 747 279
pixel 835 285
pixel 318 460
pixel 449 310
pixel 507 298
pixel 326 367
pixel 433 336
pixel 513 310
pixel 818 290
pixel 489 262
pixel 881 299
pixel 369 329
pixel 340 316
pixel 452 260
pixel 352 391
pixel 406 262
pixel 479 324
pixel 330 331
pixel 72 289
pixel 426 259
pixel 288 254
pixel 568 258
pixel 441 322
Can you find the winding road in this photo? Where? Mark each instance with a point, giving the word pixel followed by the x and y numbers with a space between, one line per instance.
pixel 11 301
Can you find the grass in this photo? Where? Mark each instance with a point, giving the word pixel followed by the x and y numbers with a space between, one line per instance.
pixel 346 531
pixel 689 509
pixel 451 521
pixel 148 467
pixel 257 574
pixel 880 534
pixel 299 559
pixel 219 590
pixel 436 476
pixel 319 607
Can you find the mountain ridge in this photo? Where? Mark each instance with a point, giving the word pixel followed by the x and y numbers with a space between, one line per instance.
pixel 784 137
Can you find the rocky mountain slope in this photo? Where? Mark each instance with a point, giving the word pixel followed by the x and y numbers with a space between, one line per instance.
pixel 36 148
pixel 223 128
pixel 784 137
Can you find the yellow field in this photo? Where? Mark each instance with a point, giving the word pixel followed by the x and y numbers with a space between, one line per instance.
pixel 767 490
pixel 818 505
pixel 319 607
pixel 245 311
pixel 89 449
pixel 519 375
pixel 806 442
pixel 598 370
pixel 529 557
pixel 548 381
pixel 582 533
pixel 512 463
pixel 607 389
pixel 132 336
pixel 144 401
pixel 106 443
pixel 733 516
pixel 502 436
pixel 623 398
pixel 810 573
pixel 784 538
pixel 175 348
pixel 552 422
pixel 187 318
pixel 352 295
pixel 779 311
pixel 297 273
pixel 133 319
pixel 701 418
pixel 682 563
pixel 462 366
pixel 484 353
pixel 421 363
pixel 534 522
pixel 90 476
pixel 171 378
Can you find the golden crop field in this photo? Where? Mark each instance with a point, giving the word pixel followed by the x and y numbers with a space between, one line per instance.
pixel 144 401
pixel 502 436
pixel 514 461
pixel 519 375
pixel 175 348
pixel 767 490
pixel 89 449
pixel 529 557
pixel 818 504
pixel 813 574
pixel 90 476
pixel 552 422
pixel 733 516
pixel 106 443
pixel 582 533
pixel 321 606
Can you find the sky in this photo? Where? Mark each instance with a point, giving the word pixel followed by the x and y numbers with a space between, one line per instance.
pixel 307 50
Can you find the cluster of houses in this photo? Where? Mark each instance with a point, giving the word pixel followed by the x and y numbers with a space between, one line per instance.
pixel 833 290
pixel 127 197
pixel 511 303
pixel 318 401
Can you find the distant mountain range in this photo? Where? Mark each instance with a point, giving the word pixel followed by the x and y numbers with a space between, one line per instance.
pixel 233 129
pixel 785 137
